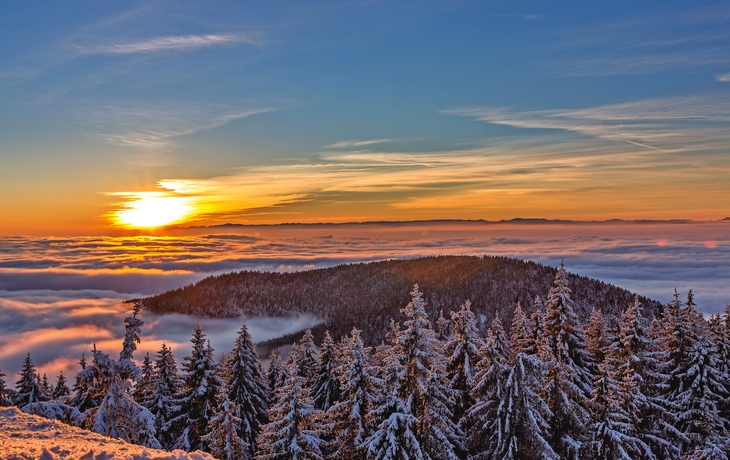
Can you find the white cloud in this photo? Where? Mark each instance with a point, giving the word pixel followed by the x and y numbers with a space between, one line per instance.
pixel 169 43
pixel 350 144
pixel 149 126
pixel 678 123
pixel 723 77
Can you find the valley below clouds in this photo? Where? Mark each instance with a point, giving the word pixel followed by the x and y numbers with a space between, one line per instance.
pixel 59 296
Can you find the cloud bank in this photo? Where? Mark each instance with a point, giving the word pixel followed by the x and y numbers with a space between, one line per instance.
pixel 58 296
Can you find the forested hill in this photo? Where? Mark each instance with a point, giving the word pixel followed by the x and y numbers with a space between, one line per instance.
pixel 369 295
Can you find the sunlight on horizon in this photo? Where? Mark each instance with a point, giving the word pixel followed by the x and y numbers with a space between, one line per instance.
pixel 152 209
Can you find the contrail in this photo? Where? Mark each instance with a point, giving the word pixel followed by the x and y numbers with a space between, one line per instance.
pixel 647 146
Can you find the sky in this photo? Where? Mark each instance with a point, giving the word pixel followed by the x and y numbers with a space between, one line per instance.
pixel 130 116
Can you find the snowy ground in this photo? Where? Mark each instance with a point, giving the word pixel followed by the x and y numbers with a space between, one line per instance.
pixel 24 436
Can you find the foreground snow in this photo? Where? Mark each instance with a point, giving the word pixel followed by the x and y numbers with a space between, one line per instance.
pixel 24 436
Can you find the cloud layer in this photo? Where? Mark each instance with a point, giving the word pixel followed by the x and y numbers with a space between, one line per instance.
pixel 58 296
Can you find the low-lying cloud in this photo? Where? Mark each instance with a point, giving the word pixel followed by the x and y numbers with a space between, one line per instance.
pixel 58 296
pixel 56 327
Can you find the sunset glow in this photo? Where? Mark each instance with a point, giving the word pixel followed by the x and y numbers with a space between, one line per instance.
pixel 151 209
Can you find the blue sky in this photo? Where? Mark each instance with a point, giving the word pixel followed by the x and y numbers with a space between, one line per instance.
pixel 103 97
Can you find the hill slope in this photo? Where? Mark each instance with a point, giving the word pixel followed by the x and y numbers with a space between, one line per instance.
pixel 24 436
pixel 368 295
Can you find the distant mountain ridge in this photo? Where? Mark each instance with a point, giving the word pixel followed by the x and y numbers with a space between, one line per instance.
pixel 517 220
pixel 369 295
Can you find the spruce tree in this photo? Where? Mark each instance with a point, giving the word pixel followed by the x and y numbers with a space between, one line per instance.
pixel 248 391
pixel 82 389
pixel 538 345
pixel 423 389
pixel 163 403
pixel 46 390
pixel 274 372
pixel 697 386
pixel 359 393
pixel 520 340
pixel 4 398
pixel 443 327
pixel 326 389
pixel 304 358
pixel 292 433
pixel 612 427
pixel 413 418
pixel 143 390
pixel 520 427
pixel 488 390
pixel 596 338
pixel 61 390
pixel 27 390
pixel 198 398
pixel 224 442
pixel 394 428
pixel 568 378
pixel 462 350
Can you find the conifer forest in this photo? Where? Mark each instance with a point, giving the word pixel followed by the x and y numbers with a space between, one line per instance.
pixel 545 378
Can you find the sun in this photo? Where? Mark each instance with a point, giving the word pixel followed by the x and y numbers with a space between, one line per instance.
pixel 153 209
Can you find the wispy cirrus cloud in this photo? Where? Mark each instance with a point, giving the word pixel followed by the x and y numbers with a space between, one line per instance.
pixel 154 126
pixel 678 123
pixel 695 38
pixel 363 143
pixel 723 77
pixel 170 43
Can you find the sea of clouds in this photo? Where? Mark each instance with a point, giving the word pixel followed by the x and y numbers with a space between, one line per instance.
pixel 59 296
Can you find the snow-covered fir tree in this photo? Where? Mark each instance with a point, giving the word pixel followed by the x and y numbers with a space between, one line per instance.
pixel 163 403
pixel 27 390
pixel 424 387
pixel 223 440
pixel 326 388
pixel 413 417
pixel 247 388
pixel 596 336
pixel 612 428
pixel 443 327
pixel 292 433
pixel 61 390
pixel 119 415
pixel 537 326
pixel 462 351
pixel 488 388
pixel 46 390
pixel 520 427
pixel 82 389
pixel 568 380
pixel 304 358
pixel 4 397
pixel 696 386
pixel 198 397
pixel 520 335
pixel 359 386
pixel 143 390
pixel 394 428
pixel 274 372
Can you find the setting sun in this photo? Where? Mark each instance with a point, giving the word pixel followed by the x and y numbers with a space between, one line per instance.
pixel 153 209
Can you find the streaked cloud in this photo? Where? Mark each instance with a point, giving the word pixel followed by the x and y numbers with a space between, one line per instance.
pixel 154 126
pixel 351 144
pixel 694 39
pixel 169 43
pixel 723 77
pixel 675 124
